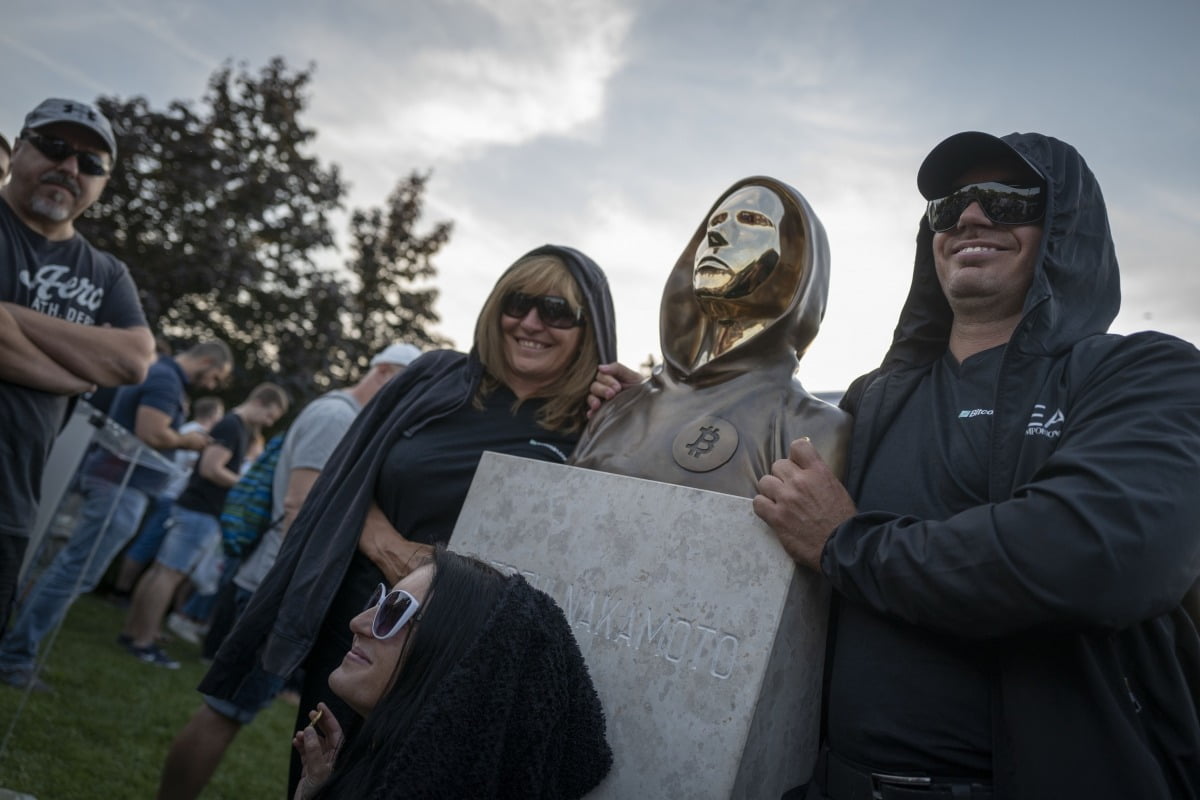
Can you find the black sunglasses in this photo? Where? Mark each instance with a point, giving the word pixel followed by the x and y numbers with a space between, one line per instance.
pixel 58 151
pixel 1002 203
pixel 555 312
pixel 393 610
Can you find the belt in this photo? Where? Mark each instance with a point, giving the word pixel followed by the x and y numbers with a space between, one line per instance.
pixel 841 780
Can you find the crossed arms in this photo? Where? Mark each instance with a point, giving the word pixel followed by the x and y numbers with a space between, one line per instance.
pixel 52 355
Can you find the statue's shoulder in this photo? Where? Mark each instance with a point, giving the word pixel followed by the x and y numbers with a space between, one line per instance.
pixel 804 404
pixel 825 424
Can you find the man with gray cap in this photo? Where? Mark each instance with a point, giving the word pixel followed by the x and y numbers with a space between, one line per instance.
pixel 310 441
pixel 1020 526
pixel 70 318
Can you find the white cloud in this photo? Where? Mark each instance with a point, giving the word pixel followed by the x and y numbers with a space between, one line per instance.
pixel 637 251
pixel 1157 235
pixel 468 266
pixel 542 70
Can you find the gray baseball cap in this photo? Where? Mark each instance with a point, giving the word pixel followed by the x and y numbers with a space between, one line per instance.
pixel 74 112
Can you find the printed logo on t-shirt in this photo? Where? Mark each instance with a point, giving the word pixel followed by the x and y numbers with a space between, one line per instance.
pixel 968 413
pixel 75 299
pixel 1041 425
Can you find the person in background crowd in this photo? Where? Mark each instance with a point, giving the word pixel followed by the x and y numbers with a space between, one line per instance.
pixel 206 412
pixel 195 524
pixel 101 397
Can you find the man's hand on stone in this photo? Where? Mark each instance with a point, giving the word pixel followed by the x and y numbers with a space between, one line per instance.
pixel 803 502
pixel 610 380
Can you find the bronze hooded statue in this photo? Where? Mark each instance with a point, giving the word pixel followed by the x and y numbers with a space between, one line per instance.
pixel 742 304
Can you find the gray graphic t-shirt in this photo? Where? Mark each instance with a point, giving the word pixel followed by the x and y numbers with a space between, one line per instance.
pixel 70 280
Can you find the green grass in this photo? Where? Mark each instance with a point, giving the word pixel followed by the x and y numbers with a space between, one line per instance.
pixel 105 730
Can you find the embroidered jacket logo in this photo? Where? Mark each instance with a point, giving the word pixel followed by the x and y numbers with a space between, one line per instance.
pixel 1041 425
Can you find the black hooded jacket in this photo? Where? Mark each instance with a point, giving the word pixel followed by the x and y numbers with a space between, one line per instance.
pixel 1074 572
pixel 283 618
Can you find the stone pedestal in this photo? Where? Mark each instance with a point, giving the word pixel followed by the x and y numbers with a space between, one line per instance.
pixel 704 640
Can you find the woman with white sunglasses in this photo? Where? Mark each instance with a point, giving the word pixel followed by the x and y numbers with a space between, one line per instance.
pixel 471 686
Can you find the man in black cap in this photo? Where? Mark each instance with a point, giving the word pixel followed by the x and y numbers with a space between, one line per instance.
pixel 70 318
pixel 1020 526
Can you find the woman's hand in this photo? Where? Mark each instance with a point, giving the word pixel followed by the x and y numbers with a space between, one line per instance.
pixel 610 380
pixel 317 752
pixel 387 548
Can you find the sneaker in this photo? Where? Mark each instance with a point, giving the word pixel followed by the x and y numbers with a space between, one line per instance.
pixel 184 628
pixel 154 655
pixel 24 679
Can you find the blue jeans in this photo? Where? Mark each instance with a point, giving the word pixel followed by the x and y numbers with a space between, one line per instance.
pixel 71 573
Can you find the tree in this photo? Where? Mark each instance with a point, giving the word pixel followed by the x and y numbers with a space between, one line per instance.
pixel 224 218
pixel 388 255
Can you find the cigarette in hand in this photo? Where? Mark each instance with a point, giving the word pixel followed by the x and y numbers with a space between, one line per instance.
pixel 314 716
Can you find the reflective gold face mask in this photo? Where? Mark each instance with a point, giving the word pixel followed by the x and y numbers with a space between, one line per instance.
pixel 741 246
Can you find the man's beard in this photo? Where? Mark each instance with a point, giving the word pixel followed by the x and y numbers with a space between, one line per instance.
pixel 49 209
pixel 54 210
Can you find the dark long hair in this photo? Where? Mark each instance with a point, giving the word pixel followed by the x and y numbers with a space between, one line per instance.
pixel 461 596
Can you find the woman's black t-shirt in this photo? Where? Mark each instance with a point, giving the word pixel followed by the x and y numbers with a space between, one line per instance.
pixel 424 479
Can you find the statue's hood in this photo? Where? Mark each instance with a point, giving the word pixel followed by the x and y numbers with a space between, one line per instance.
pixel 800 279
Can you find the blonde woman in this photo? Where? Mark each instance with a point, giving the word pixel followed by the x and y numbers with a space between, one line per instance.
pixel 394 487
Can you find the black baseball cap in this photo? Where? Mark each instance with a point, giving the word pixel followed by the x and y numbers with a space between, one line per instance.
pixel 955 155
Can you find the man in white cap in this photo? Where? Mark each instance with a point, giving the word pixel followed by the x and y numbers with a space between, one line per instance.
pixel 396 357
pixel 312 438
pixel 70 318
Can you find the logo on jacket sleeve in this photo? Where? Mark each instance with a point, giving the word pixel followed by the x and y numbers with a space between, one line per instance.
pixel 1043 424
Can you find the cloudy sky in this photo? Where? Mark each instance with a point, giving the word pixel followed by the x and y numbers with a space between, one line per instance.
pixel 612 125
